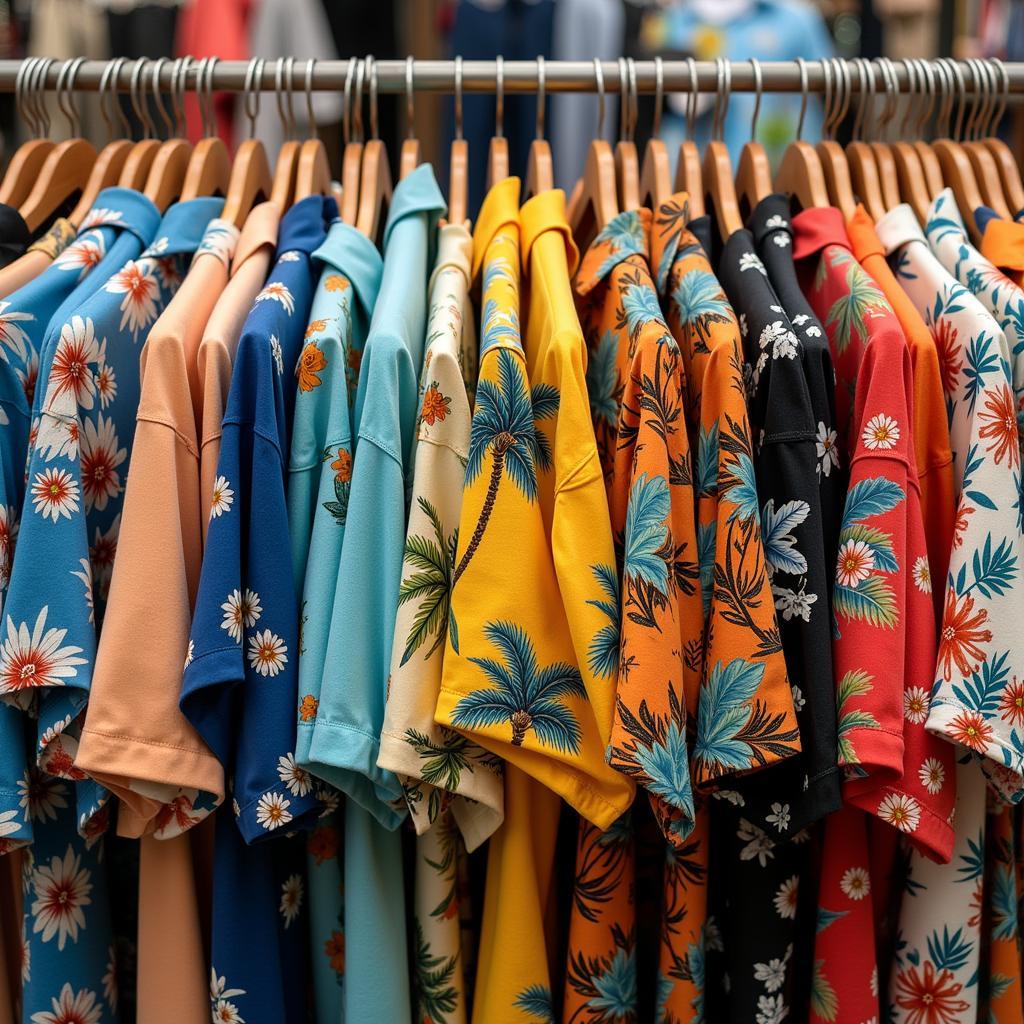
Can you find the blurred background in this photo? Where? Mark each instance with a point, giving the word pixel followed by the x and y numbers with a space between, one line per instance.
pixel 517 29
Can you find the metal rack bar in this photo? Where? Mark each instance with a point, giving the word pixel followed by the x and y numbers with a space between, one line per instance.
pixel 520 76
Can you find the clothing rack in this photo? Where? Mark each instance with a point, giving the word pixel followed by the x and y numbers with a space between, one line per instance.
pixel 482 76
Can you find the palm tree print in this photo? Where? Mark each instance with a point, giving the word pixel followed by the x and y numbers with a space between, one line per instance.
pixel 430 583
pixel 522 694
pixel 700 302
pixel 861 299
pixel 600 864
pixel 605 392
pixel 536 1002
pixel 856 683
pixel 436 996
pixel 504 428
pixel 603 652
pixel 608 983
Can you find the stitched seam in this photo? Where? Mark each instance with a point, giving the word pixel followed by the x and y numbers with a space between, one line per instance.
pixel 160 421
pixel 147 743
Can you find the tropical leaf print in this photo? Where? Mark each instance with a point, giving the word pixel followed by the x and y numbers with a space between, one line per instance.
pixel 777 528
pixel 436 996
pixel 860 299
pixel 706 483
pixel 608 983
pixel 522 694
pixel 855 683
pixel 504 428
pixel 603 652
pixel 603 387
pixel 701 303
pixel 536 1002
pixel 429 561
pixel 824 1002
pixel 499 325
pixel 601 863
pixel 646 532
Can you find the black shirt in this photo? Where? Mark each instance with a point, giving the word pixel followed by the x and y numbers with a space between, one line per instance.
pixel 15 236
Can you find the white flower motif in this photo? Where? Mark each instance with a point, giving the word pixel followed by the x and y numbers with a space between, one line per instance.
pixel 773 974
pixel 826 449
pixel 781 240
pixel 289 257
pixel 813 331
pixel 62 889
pixel 12 336
pixel 743 324
pixel 106 384
pixel 855 883
pixel 8 823
pixel 279 293
pixel 189 654
pixel 800 319
pixel 771 1010
pixel 101 456
pixel 9 526
pixel 776 221
pixel 98 216
pixel 793 603
pixel 932 775
pixel 223 497
pixel 291 899
pixel 296 779
pixel 41 795
pixel 799 700
pixel 751 261
pixel 881 433
pixel 900 810
pixel 730 796
pixel 71 1007
pixel 267 653
pixel 85 575
pixel 779 817
pixel 222 1010
pixel 874 980
pixel 856 560
pixel 140 288
pixel 272 811
pixel 785 898
pixel 83 254
pixel 275 351
pixel 916 702
pixel 36 659
pixel 922 574
pixel 58 437
pixel 759 844
pixel 71 369
pixel 241 611
pixel 26 949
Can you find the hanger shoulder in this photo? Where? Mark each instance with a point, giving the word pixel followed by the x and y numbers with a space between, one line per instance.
pixel 458 182
pixel 986 173
pixel 65 171
pixel 864 174
pixel 283 187
pixel 409 158
pixel 597 202
pixel 689 177
pixel 800 174
pixel 913 187
pixel 540 171
pixel 136 168
pixel 374 188
pixel 836 170
pixel 753 175
pixel 1009 171
pixel 655 174
pixel 351 168
pixel 627 175
pixel 888 179
pixel 931 167
pixel 959 175
pixel 167 175
pixel 313 174
pixel 209 170
pixel 23 170
pixel 719 185
pixel 497 160
pixel 250 181
pixel 105 172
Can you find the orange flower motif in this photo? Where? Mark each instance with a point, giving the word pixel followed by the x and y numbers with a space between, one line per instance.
pixel 960 636
pixel 323 843
pixel 342 466
pixel 970 729
pixel 311 362
pixel 315 326
pixel 1011 704
pixel 1000 414
pixel 950 363
pixel 334 950
pixel 308 707
pixel 435 405
pixel 929 997
pixel 960 524
pixel 335 283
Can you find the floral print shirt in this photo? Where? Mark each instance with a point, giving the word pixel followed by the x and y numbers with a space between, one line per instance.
pixel 319 479
pixel 239 687
pixel 78 462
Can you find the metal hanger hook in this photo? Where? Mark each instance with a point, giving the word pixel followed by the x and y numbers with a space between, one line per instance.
pixel 634 98
pixel 983 128
pixel 499 97
pixel 161 109
pixel 138 99
pixel 371 70
pixel 109 78
pixel 913 89
pixel 179 69
pixel 802 65
pixel 599 82
pixel 892 96
pixel 410 103
pixel 842 70
pixel 38 91
pixel 755 65
pixel 25 68
pixel 691 107
pixel 927 72
pixel 541 97
pixel 458 97
pixel 346 114
pixel 65 97
pixel 209 114
pixel 357 109
pixel 251 92
pixel 1004 94
pixel 313 131
pixel 659 97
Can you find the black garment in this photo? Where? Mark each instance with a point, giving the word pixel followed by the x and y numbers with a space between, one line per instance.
pixel 759 825
pixel 15 236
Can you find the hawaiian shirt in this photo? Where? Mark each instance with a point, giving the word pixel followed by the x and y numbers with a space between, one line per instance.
pixel 511 614
pixel 758 824
pixel 931 427
pixel 77 467
pixel 1002 986
pixel 706 330
pixel 240 682
pixel 319 475
pixel 1002 242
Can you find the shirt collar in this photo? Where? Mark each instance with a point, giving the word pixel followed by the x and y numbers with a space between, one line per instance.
pixel 455 252
pixel 818 227
pixel 351 253
pixel 983 216
pixel 770 215
pixel 183 225
pixel 123 208
pixel 546 212
pixel 623 236
pixel 667 230
pixel 259 230
pixel 219 240
pixel 500 209
pixel 1002 241
pixel 304 227
pixel 417 192
pixel 864 240
pixel 899 227
pixel 944 216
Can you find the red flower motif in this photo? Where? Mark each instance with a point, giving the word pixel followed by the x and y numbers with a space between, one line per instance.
pixel 970 729
pixel 1000 416
pixel 929 998
pixel 960 636
pixel 950 363
pixel 1011 704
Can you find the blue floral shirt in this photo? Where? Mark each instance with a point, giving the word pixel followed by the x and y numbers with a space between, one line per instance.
pixel 239 688
pixel 77 467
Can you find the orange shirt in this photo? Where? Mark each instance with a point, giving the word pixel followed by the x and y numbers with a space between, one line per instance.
pixel 1002 242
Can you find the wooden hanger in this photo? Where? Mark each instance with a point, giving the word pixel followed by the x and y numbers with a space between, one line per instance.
pixel 689 177
pixel 29 157
pixel 597 201
pixel 655 171
pixel 956 166
pixel 209 167
pixel 834 165
pixel 458 165
pixel 135 173
pixel 719 184
pixel 283 188
pixel 375 174
pixel 409 158
pixel 986 170
pixel 250 180
pixel 67 168
pixel 627 160
pixel 497 153
pixel 167 175
pixel 313 173
pixel 800 173
pixel 754 174
pixel 888 179
pixel 540 170
pixel 863 166
pixel 352 155
pixel 1009 171
pixel 909 171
